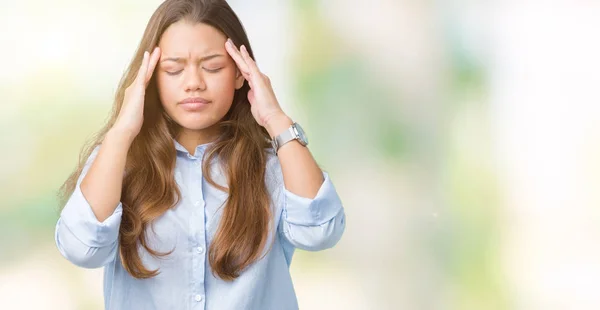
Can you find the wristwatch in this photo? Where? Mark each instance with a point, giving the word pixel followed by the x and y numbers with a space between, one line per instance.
pixel 295 132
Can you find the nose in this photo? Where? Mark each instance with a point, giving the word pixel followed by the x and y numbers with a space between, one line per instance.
pixel 194 80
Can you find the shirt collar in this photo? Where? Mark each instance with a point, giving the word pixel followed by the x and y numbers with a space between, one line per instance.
pixel 199 149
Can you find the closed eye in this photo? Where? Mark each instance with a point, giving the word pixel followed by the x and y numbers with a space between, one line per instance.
pixel 174 73
pixel 205 69
pixel 212 70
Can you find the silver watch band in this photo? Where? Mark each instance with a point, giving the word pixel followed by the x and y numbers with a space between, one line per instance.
pixel 283 138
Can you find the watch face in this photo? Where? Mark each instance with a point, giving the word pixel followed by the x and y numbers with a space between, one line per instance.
pixel 301 134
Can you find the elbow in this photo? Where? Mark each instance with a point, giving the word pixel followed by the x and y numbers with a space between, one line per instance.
pixel 91 258
pixel 80 259
pixel 81 254
pixel 317 238
pixel 319 243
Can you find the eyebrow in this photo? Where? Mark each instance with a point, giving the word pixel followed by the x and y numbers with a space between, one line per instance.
pixel 179 59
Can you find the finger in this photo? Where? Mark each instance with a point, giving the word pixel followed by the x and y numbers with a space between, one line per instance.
pixel 237 57
pixel 249 61
pixel 143 68
pixel 251 96
pixel 246 76
pixel 152 62
pixel 239 60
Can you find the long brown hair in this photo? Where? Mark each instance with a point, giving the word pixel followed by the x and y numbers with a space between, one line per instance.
pixel 149 187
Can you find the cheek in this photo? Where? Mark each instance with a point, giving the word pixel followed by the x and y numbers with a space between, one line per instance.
pixel 167 89
pixel 223 85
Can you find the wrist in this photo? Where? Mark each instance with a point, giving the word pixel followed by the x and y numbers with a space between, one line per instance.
pixel 123 136
pixel 278 124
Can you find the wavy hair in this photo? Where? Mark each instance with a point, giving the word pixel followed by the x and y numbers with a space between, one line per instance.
pixel 149 187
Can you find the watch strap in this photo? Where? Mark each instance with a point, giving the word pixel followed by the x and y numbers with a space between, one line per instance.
pixel 284 137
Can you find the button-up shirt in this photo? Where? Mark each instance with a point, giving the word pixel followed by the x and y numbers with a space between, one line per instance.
pixel 185 280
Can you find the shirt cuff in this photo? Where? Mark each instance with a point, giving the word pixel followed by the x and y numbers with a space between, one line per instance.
pixel 312 212
pixel 78 216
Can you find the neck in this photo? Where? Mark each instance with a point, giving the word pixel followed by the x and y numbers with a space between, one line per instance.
pixel 190 139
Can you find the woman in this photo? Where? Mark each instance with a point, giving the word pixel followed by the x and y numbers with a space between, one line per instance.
pixel 182 197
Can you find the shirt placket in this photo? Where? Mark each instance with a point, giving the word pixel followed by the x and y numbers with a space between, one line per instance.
pixel 196 227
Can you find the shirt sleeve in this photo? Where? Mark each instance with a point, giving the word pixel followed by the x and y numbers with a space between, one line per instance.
pixel 79 236
pixel 312 224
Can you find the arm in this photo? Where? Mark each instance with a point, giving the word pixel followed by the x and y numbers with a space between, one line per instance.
pixel 301 174
pixel 313 216
pixel 87 231
pixel 102 185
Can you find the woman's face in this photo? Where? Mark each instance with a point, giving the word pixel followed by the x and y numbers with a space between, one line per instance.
pixel 196 78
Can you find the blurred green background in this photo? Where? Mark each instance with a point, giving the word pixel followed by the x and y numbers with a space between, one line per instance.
pixel 463 138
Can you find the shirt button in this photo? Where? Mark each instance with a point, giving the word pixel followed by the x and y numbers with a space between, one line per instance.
pixel 199 249
pixel 197 203
pixel 198 298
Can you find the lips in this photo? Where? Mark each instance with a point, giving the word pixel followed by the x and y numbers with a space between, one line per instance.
pixel 194 103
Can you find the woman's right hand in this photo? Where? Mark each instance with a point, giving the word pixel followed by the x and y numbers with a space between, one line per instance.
pixel 131 116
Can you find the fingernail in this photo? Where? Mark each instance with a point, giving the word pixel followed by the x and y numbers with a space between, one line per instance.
pixel 229 41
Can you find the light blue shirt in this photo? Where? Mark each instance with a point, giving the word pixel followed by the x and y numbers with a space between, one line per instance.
pixel 185 280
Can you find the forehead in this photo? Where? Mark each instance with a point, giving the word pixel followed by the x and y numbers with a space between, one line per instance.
pixel 185 37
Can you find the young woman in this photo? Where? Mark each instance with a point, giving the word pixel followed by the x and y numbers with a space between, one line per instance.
pixel 199 188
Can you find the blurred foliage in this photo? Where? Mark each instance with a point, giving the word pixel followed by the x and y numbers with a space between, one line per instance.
pixel 345 104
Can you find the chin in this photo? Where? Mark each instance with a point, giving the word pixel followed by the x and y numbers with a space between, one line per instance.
pixel 196 121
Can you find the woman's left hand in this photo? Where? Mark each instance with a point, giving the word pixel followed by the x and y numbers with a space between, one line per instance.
pixel 264 104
